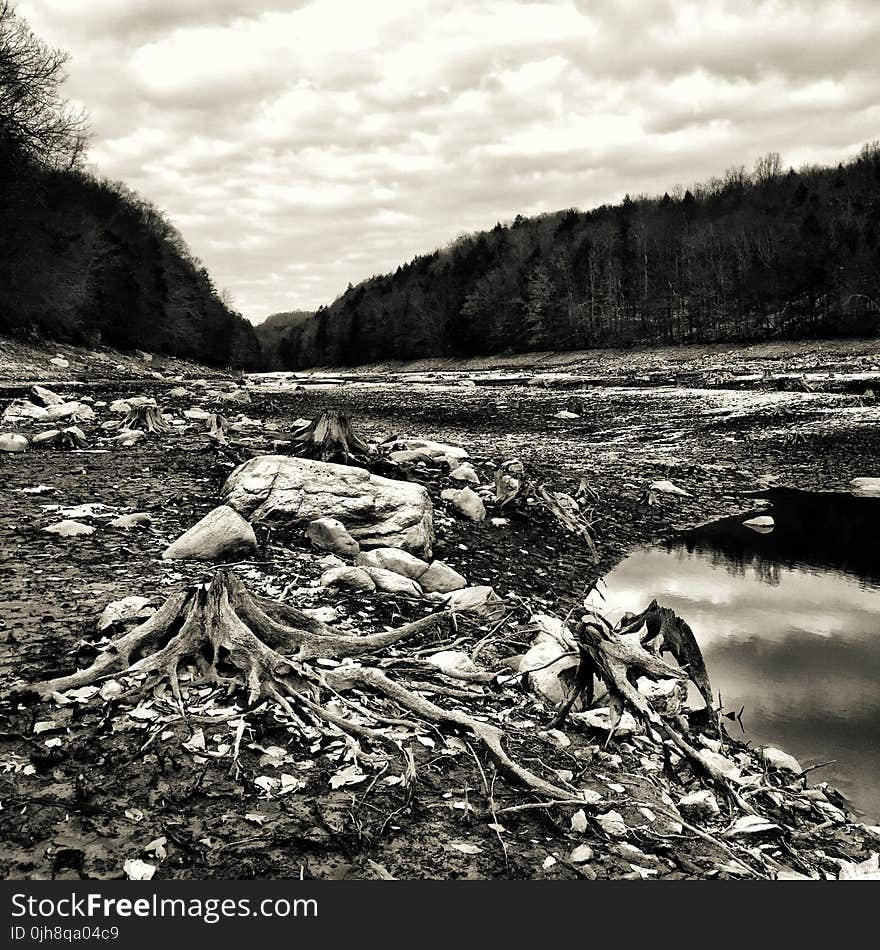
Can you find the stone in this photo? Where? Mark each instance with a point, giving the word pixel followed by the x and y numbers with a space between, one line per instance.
pixel 178 392
pixel 440 578
pixel 12 442
pixel 129 608
pixel 354 577
pixel 376 511
pixel 665 696
pixel 777 759
pixel 222 534
pixel 393 559
pixel 474 599
pixel 763 524
pixel 60 361
pixel 20 409
pixel 866 487
pixel 465 473
pixel 328 534
pixel 466 502
pixel 390 582
pixel 135 520
pixel 78 411
pixel 701 804
pixel 46 396
pixel 668 488
pixel 69 529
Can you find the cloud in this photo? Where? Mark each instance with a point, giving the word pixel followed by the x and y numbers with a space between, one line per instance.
pixel 303 144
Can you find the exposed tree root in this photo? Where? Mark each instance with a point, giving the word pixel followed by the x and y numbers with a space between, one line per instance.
pixel 330 438
pixel 146 417
pixel 226 635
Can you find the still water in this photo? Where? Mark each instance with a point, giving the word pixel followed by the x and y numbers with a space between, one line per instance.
pixel 789 624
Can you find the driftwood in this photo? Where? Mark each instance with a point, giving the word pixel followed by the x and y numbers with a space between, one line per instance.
pixel 514 484
pixel 618 658
pixel 234 638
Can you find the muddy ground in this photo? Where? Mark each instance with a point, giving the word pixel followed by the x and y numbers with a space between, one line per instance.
pixel 113 786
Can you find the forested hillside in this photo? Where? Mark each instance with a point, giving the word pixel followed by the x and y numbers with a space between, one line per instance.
pixel 752 255
pixel 273 329
pixel 84 260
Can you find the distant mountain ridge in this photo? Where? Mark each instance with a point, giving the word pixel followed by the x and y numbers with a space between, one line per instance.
pixel 769 254
pixel 273 329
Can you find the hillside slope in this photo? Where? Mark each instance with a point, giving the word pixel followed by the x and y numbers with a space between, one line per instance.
pixel 771 254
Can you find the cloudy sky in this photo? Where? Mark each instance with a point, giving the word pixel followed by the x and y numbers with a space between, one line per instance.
pixel 303 144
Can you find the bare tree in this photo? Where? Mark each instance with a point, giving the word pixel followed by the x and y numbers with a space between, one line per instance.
pixel 36 122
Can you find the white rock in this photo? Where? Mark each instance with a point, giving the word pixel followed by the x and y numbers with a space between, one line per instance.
pixel 600 718
pixel 390 582
pixel 701 804
pixel 46 396
pixel 353 577
pixel 866 487
pixel 20 409
pixel 12 442
pixel 328 534
pixel 178 392
pixel 452 660
pixel 473 599
pixel 719 762
pixel 375 510
pixel 134 520
pixel 129 608
pixel 763 524
pixel 465 473
pixel 440 578
pixel 69 529
pixel 550 666
pixel 222 533
pixel 565 414
pixel 668 488
pixel 60 361
pixel 666 696
pixel 393 559
pixel 466 502
pixel 778 759
pixel 581 854
pixel 612 823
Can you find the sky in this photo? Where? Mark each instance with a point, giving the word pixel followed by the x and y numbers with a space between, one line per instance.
pixel 300 145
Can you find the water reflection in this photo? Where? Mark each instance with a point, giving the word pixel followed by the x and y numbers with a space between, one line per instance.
pixel 789 623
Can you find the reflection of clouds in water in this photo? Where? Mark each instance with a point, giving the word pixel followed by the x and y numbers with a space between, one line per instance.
pixel 801 654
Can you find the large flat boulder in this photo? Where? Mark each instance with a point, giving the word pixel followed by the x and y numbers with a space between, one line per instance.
pixel 376 511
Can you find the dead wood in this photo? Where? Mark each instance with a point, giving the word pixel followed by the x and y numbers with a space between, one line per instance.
pixel 330 438
pixel 146 417
pixel 224 635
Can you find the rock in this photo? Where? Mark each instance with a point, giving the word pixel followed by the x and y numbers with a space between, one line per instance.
pixel 221 534
pixel 376 511
pixel 565 414
pixel 120 405
pixel 550 664
pixel 48 436
pixel 666 696
pixel 389 582
pixel 866 487
pixel 466 502
pixel 393 559
pixel 60 361
pixel 581 854
pixel 452 660
pixel 12 442
pixel 330 560
pixel 353 577
pixel 763 524
pixel 70 410
pixel 474 599
pixel 668 488
pixel 178 392
pixel 414 450
pixel 328 534
pixel 21 409
pixel 465 473
pixel 197 414
pixel 600 719
pixel 701 804
pixel 612 823
pixel 440 578
pixel 721 764
pixel 134 520
pixel 69 529
pixel 129 608
pixel 777 759
pixel 46 396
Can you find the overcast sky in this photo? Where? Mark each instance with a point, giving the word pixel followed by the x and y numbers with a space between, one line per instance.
pixel 302 145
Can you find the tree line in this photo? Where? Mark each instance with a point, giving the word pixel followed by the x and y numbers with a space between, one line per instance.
pixel 83 259
pixel 766 253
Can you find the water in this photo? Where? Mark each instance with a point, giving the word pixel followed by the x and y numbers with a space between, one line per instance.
pixel 789 624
